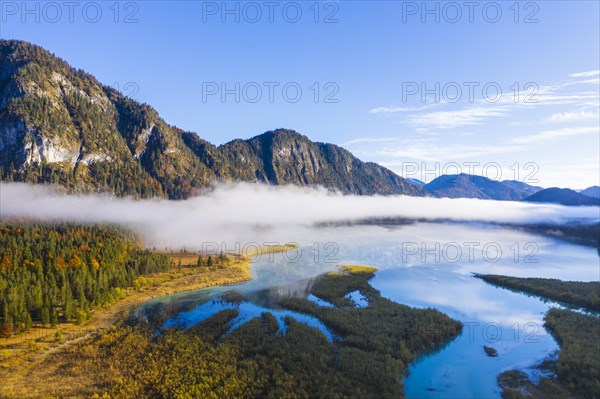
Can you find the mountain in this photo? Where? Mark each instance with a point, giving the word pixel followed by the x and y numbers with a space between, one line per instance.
pixel 417 182
pixel 60 125
pixel 286 157
pixel 525 189
pixel 562 196
pixel 593 191
pixel 471 186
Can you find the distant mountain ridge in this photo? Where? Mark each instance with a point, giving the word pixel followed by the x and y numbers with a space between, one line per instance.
pixel 563 196
pixel 418 182
pixel 60 125
pixel 593 191
pixel 472 186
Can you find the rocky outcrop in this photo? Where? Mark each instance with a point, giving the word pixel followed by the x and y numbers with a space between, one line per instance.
pixel 60 125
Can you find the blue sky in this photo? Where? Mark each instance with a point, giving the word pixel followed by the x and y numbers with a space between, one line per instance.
pixel 379 77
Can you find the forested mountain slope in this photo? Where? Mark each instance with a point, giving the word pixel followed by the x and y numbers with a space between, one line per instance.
pixel 60 125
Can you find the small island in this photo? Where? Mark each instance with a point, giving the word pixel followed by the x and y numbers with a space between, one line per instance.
pixel 491 352
pixel 576 372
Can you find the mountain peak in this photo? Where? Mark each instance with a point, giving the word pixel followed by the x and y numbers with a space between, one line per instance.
pixel 60 125
pixel 593 191
pixel 563 196
pixel 464 185
pixel 281 134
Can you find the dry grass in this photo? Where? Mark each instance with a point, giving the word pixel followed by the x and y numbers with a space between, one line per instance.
pixel 35 364
pixel 40 364
pixel 359 269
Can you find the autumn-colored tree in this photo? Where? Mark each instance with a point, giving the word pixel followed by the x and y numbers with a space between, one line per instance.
pixel 55 272
pixel 6 330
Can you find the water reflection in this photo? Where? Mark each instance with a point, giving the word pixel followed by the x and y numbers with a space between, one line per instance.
pixel 246 312
pixel 509 322
pixel 358 299
pixel 319 301
pixel 424 265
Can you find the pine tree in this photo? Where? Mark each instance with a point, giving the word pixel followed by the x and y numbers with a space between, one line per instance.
pixel 45 313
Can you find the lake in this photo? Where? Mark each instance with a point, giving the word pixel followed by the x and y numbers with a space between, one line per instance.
pixel 421 265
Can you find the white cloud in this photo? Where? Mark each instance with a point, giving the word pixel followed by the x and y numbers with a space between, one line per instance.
pixel 424 131
pixel 393 110
pixel 595 81
pixel 531 95
pixel 277 213
pixel 558 133
pixel 510 121
pixel 575 116
pixel 369 140
pixel 563 99
pixel 453 119
pixel 586 74
pixel 436 153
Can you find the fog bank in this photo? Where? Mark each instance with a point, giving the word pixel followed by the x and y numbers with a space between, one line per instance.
pixel 260 213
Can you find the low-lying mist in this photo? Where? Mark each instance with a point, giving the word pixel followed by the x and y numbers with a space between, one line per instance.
pixel 242 213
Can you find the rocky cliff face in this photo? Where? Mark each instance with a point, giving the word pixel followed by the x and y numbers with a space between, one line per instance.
pixel 60 125
pixel 286 157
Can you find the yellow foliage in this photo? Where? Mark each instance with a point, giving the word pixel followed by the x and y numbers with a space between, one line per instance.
pixel 359 269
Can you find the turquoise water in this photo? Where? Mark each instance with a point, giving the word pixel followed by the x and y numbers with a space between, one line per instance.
pixel 246 312
pixel 421 265
pixel 319 301
pixel 358 299
pixel 509 322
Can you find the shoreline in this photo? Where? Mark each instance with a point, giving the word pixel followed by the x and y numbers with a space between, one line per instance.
pixel 19 355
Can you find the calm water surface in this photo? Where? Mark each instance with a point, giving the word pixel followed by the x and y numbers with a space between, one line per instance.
pixel 421 265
